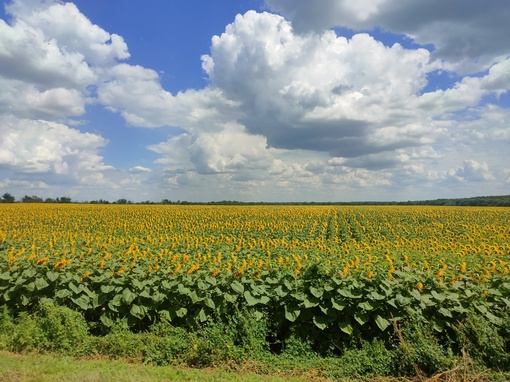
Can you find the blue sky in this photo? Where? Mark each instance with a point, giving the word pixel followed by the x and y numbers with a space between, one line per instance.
pixel 270 100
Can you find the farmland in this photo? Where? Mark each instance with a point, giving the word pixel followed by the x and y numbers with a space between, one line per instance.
pixel 309 272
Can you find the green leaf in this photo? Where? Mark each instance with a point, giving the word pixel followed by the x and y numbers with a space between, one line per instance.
pixel 438 325
pixel 5 276
pixel 310 302
pixel 481 308
pixel 438 296
pixel 316 292
pixel 401 300
pixel 288 285
pixel 137 311
pixel 41 283
pixel 63 293
pixel 382 322
pixel 299 296
pixel 445 312
pixel 237 287
pixel 195 297
pixel 202 316
pixel 165 315
pixel 377 296
pixel 416 294
pixel 128 296
pixel 494 319
pixel 146 293
pixel 339 305
pixel 74 288
pixel 345 293
pixel 291 314
pixel 361 317
pixel 250 300
pixel 183 290
pixel 107 288
pixel 495 292
pixel 279 291
pixel 202 286
pixel 24 300
pixel 98 300
pixel 82 302
pixel 321 322
pixel 210 303
pixel 346 327
pixel 369 305
pixel 181 312
pixel 258 315
pixel 88 291
pixel 165 284
pixel 115 302
pixel 106 320
pixel 52 276
pixel 29 273
pixel 137 284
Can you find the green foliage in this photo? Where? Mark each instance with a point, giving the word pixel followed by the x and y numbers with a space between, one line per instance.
pixel 51 328
pixel 420 349
pixel 166 344
pixel 484 342
pixel 7 327
pixel 370 360
pixel 119 343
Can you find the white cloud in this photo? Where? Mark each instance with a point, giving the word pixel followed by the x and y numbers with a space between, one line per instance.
pixel 285 115
pixel 473 171
pixel 42 147
pixel 51 55
pixel 465 33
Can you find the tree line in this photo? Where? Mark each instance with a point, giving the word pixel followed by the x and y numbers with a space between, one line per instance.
pixel 488 201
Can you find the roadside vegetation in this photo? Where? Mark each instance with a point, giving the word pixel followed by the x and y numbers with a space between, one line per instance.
pixel 241 350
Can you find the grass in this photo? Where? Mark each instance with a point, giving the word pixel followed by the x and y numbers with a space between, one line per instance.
pixel 51 368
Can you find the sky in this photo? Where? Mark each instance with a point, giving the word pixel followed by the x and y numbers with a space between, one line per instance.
pixel 259 100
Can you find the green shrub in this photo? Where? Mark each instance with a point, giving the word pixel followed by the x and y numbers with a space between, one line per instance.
pixel 7 327
pixel 64 329
pixel 27 335
pixel 49 328
pixel 212 345
pixel 372 359
pixel 119 343
pixel 166 344
pixel 420 350
pixel 484 343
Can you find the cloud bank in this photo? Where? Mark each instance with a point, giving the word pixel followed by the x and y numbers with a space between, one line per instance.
pixel 292 110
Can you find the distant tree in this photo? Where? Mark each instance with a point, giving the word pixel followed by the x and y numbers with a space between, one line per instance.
pixel 64 199
pixel 166 201
pixel 123 201
pixel 100 201
pixel 31 199
pixel 8 198
pixel 49 200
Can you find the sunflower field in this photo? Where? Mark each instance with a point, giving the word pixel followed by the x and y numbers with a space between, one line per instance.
pixel 340 271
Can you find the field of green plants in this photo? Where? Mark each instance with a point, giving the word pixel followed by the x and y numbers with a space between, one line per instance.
pixel 303 280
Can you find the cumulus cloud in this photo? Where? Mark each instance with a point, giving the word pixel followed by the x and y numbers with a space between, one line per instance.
pixel 465 33
pixel 286 114
pixel 321 92
pixel 51 55
pixel 43 147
